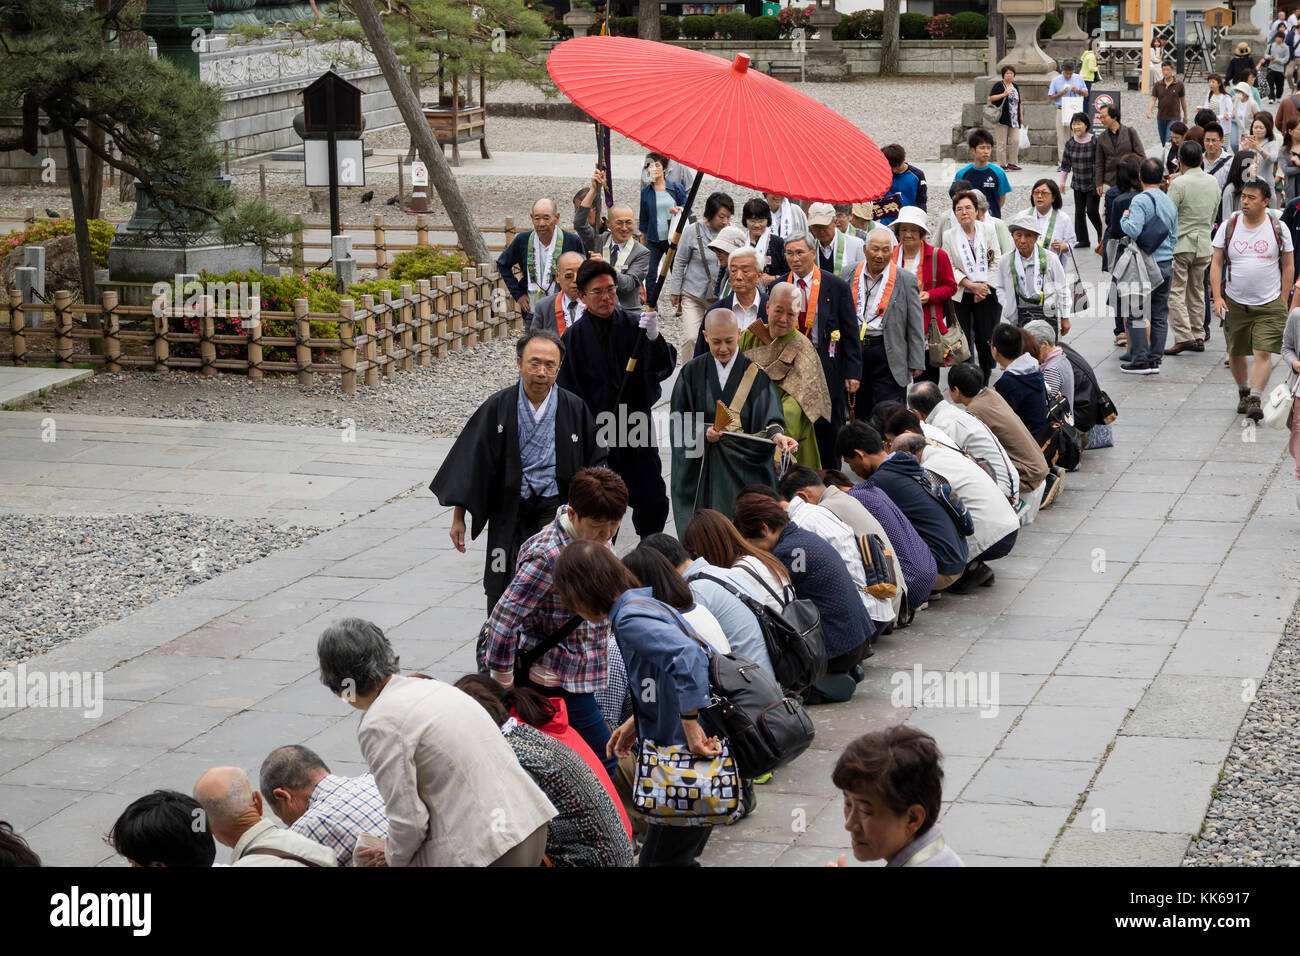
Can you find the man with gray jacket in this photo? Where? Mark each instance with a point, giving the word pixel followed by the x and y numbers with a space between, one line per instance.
pixel 617 245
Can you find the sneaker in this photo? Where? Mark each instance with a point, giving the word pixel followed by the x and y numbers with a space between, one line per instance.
pixel 1254 411
pixel 763 778
pixel 1125 356
pixel 1138 368
pixel 1243 399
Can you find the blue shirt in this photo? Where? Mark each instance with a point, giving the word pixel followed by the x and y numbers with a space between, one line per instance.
pixel 819 575
pixel 1058 83
pixel 737 621
pixel 896 477
pixel 991 181
pixel 1141 209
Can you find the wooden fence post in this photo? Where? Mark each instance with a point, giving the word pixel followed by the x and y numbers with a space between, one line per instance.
pixel 161 326
pixel 207 329
pixel 423 311
pixel 18 326
pixel 348 343
pixel 442 315
pixel 62 329
pixel 421 231
pixel 509 229
pixel 381 251
pixel 368 323
pixel 408 328
pixel 471 307
pixel 302 332
pixel 112 341
pixel 386 324
pixel 254 328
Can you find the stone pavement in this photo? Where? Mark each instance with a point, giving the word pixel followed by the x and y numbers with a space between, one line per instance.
pixel 19 385
pixel 1124 631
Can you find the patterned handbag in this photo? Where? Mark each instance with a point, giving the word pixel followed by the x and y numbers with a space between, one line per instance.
pixel 675 787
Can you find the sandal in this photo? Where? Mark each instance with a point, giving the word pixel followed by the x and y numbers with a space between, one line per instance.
pixel 1121 338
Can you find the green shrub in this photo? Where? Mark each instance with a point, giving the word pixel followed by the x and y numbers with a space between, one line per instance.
pixel 732 26
pixel 698 26
pixel 668 28
pixel 425 263
pixel 1051 23
pixel 101 234
pixel 862 25
pixel 623 26
pixel 765 28
pixel 911 26
pixel 842 30
pixel 970 26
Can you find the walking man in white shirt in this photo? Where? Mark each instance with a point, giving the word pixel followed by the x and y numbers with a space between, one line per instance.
pixel 1254 251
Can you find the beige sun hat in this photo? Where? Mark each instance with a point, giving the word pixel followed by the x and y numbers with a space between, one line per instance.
pixel 821 214
pixel 912 216
pixel 1025 221
pixel 729 239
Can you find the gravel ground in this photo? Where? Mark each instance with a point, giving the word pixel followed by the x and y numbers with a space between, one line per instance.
pixel 65 576
pixel 1254 818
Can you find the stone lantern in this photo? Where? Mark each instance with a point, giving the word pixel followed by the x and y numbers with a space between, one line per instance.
pixel 824 60
pixel 1025 17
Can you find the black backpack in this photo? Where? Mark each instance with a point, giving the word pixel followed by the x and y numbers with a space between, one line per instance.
pixel 764 728
pixel 1092 406
pixel 793 636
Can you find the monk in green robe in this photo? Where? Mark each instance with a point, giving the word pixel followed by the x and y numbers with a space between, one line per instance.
pixel 791 362
pixel 710 465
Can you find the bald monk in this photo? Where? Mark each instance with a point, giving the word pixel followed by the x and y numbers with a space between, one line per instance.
pixel 791 362
pixel 710 473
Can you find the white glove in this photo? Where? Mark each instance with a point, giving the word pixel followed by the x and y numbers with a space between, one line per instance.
pixel 650 322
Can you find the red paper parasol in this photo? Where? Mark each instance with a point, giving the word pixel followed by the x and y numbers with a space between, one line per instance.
pixel 720 118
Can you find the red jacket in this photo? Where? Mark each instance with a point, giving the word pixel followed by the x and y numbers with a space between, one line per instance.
pixel 942 290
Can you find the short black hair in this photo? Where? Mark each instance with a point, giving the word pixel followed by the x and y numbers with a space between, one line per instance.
pixel 858 436
pixel 591 269
pixel 1211 127
pixel 1178 127
pixel 14 850
pixel 798 478
pixel 966 378
pixel 530 334
pixel 959 186
pixel 1190 153
pixel 924 396
pixel 894 154
pixel 663 160
pixel 1204 117
pixel 881 411
pixel 1006 339
pixel 166 827
pixel 1054 189
pixel 903 420
pixel 1259 186
pixel 668 546
pixel 1112 108
pixel 1152 172
pixel 756 208
pixel 767 491
pixel 1081 118
pixel 979 136
pixel 718 201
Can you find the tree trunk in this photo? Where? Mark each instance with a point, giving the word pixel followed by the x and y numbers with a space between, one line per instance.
pixel 647 20
pixel 430 152
pixel 94 174
pixel 85 259
pixel 889 40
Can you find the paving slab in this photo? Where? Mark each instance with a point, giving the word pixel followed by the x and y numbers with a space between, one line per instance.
pixel 1079 846
pixel 1031 783
pixel 19 385
pixel 1046 732
pixel 1156 784
pixel 1221 703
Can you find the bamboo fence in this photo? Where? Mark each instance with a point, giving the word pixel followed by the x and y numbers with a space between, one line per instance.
pixel 374 338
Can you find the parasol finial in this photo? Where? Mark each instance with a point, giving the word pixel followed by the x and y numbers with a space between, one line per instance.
pixel 741 63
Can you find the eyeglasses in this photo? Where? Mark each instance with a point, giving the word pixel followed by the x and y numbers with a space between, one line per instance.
pixel 601 290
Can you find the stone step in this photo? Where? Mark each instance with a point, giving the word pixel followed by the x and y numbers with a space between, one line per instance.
pixel 1044 155
pixel 1037 134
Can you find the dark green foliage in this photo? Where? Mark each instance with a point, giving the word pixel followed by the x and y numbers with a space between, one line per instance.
pixel 970 26
pixel 911 26
pixel 698 26
pixel 668 28
pixel 765 28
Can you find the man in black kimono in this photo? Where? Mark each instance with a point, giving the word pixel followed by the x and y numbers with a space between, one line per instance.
pixel 596 356
pixel 511 465
pixel 711 466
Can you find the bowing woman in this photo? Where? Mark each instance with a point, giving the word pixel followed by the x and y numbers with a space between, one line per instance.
pixel 662 652
pixel 972 248
pixel 933 271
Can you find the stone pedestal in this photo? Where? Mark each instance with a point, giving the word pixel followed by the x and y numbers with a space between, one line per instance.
pixel 1241 31
pixel 580 21
pixel 131 259
pixel 1025 17
pixel 825 62
pixel 1070 41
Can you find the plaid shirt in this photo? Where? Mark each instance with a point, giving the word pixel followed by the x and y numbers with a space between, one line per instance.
pixel 530 610
pixel 340 810
pixel 1080 158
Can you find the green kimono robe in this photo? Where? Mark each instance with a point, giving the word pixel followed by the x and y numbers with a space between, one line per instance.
pixel 708 474
pixel 797 424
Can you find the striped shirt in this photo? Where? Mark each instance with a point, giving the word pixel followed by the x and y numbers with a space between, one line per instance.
pixel 1080 158
pixel 340 810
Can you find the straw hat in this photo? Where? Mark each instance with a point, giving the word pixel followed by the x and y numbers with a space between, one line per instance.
pixel 1242 49
pixel 911 216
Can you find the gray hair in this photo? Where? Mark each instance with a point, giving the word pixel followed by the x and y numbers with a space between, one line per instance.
pixel 288 768
pixel 224 805
pixel 749 252
pixel 881 231
pixel 784 287
pixel 843 209
pixel 910 442
pixel 354 655
pixel 555 210
pixel 923 397
pixel 1041 331
pixel 981 201
pixel 717 317
pixel 807 237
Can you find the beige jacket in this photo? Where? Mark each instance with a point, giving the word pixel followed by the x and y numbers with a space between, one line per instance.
pixel 455 792
pixel 266 835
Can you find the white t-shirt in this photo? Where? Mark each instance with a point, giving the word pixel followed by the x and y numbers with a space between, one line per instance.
pixel 1254 276
pixel 765 594
pixel 707 626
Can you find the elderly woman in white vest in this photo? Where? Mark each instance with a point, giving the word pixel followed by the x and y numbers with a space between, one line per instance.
pixel 973 250
pixel 455 793
pixel 1031 281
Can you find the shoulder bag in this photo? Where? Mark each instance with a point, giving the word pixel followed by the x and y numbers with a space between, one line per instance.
pixel 992 112
pixel 678 788
pixel 1278 404
pixel 793 637
pixel 878 563
pixel 524 662
pixel 764 728
pixel 953 506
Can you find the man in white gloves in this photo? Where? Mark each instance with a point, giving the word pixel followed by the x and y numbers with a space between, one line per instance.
pixel 597 352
